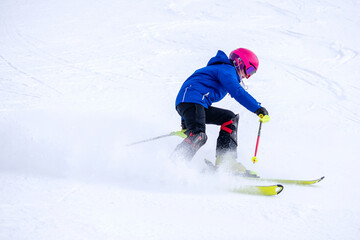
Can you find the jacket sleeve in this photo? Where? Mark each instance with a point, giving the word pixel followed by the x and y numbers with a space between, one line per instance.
pixel 229 80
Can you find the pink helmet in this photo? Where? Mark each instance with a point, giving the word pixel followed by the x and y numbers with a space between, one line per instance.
pixel 243 58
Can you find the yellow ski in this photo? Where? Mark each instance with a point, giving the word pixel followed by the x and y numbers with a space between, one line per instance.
pixel 286 181
pixel 259 190
pixel 249 175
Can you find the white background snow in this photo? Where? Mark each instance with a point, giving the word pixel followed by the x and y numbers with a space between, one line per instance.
pixel 81 79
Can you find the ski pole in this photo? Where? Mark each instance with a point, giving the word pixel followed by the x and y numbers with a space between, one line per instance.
pixel 254 159
pixel 177 133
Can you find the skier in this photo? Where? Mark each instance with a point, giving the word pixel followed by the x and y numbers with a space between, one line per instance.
pixel 210 84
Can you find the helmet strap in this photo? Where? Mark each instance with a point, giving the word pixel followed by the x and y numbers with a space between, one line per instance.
pixel 238 69
pixel 243 85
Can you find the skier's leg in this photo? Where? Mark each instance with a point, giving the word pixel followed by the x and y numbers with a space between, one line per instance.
pixel 226 147
pixel 193 119
pixel 227 140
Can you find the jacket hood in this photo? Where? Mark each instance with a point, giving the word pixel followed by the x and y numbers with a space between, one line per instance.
pixel 220 58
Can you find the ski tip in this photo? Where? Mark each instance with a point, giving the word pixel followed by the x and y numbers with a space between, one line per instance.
pixel 268 190
pixel 279 188
pixel 271 190
pixel 321 178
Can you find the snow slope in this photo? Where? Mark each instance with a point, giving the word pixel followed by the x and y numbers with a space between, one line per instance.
pixel 81 79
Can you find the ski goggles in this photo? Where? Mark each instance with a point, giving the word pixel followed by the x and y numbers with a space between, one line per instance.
pixel 239 65
pixel 250 71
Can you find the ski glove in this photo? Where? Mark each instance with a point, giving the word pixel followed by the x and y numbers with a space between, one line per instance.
pixel 263 114
pixel 262 111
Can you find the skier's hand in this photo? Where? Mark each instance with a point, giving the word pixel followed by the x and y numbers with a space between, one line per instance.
pixel 263 114
pixel 264 118
pixel 262 111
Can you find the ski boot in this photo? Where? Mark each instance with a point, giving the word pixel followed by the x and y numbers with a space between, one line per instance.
pixel 190 145
pixel 226 150
pixel 228 164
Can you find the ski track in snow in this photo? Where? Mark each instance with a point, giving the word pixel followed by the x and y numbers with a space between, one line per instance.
pixel 28 75
pixel 344 54
pixel 314 79
pixel 80 80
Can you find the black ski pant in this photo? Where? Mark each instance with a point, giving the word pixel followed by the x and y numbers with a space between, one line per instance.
pixel 194 120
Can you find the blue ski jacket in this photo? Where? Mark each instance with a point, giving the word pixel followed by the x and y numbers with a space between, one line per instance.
pixel 211 84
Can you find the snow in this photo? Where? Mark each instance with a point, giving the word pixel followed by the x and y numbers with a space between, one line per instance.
pixel 81 79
